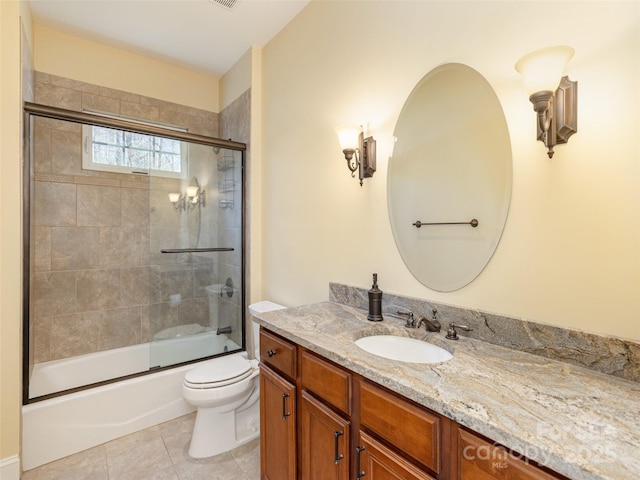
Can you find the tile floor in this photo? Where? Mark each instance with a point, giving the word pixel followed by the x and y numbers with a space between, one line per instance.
pixel 157 453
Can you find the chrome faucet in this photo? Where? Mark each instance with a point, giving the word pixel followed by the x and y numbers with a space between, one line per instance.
pixel 431 325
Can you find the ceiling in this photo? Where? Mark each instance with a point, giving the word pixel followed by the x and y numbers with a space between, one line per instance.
pixel 199 35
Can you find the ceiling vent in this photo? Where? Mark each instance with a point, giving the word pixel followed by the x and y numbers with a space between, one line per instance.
pixel 228 4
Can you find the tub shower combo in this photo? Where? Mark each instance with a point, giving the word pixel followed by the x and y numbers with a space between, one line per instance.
pixel 134 275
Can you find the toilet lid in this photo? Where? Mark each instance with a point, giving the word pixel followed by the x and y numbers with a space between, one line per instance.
pixel 225 370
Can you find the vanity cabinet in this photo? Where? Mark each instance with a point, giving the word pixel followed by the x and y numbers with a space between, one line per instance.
pixel 320 421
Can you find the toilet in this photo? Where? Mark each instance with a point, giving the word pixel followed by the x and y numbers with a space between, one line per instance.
pixel 225 392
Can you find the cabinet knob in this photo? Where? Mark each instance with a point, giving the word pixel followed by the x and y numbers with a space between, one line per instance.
pixel 271 353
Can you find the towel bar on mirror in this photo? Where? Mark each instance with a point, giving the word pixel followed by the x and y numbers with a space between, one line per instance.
pixel 474 223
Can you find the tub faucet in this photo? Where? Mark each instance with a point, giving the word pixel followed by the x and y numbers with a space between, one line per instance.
pixel 431 325
pixel 222 330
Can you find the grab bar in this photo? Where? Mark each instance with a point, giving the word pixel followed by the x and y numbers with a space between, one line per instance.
pixel 473 223
pixel 196 250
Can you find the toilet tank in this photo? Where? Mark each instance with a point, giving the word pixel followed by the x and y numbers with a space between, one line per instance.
pixel 254 309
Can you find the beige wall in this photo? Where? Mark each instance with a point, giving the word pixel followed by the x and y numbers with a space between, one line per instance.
pixel 72 57
pixel 10 202
pixel 570 254
pixel 254 176
pixel 236 81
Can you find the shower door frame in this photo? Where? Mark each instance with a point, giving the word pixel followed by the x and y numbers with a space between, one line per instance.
pixel 32 110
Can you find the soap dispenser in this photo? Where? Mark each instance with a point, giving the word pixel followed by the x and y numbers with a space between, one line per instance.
pixel 375 301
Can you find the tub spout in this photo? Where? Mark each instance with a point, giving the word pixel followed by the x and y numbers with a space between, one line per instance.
pixel 222 330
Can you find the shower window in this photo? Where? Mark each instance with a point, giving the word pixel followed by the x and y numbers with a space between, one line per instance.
pixel 111 150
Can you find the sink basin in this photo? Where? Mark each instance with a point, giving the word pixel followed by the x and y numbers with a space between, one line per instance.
pixel 403 348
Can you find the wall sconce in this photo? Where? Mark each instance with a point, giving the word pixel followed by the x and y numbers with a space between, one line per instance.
pixel 554 98
pixel 195 195
pixel 359 152
pixel 177 200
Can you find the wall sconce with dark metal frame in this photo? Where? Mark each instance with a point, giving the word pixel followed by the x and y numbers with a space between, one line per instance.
pixel 554 98
pixel 194 196
pixel 359 152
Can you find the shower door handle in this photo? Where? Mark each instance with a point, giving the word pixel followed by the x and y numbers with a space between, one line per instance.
pixel 285 414
pixel 196 250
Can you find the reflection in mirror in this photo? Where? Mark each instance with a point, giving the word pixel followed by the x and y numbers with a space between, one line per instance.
pixel 451 165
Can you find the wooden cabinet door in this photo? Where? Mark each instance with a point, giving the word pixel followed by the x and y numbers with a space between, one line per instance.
pixel 277 427
pixel 324 441
pixel 376 462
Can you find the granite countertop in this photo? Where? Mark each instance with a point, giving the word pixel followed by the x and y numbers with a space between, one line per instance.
pixel 580 423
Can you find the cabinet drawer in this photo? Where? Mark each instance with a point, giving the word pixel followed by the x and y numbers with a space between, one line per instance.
pixel 481 460
pixel 278 353
pixel 329 382
pixel 378 462
pixel 410 429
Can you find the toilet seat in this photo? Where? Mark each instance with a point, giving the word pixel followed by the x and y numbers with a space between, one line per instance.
pixel 219 372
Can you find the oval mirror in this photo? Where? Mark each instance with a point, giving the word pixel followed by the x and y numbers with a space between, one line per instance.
pixel 451 165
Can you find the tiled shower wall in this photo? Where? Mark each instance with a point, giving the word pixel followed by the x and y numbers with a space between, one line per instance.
pixel 96 282
pixel 234 123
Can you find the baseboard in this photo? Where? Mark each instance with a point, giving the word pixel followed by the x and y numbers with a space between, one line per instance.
pixel 10 468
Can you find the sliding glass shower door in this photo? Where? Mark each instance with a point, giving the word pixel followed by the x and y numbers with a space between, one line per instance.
pixel 195 253
pixel 134 249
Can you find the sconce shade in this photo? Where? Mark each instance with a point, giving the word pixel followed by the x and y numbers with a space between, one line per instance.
pixel 174 197
pixel 192 192
pixel 348 137
pixel 542 70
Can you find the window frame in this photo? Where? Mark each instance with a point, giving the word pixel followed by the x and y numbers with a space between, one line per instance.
pixel 89 164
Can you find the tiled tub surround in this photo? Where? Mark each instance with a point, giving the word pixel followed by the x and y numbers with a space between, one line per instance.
pixel 608 355
pixel 97 283
pixel 581 423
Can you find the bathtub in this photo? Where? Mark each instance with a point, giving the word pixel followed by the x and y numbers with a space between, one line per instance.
pixel 67 424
